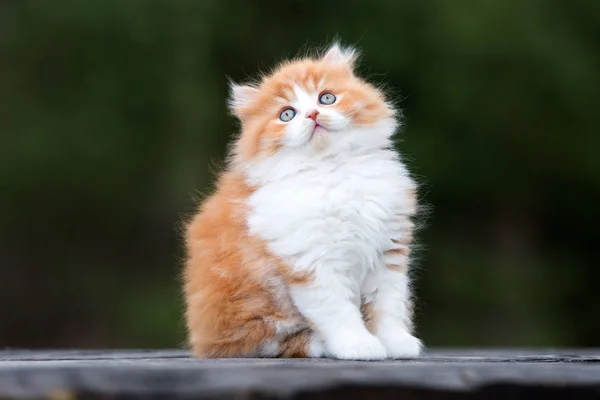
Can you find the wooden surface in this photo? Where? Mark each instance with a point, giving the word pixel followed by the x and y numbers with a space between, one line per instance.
pixel 173 374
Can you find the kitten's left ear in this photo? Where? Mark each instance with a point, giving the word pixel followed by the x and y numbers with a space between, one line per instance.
pixel 240 98
pixel 341 55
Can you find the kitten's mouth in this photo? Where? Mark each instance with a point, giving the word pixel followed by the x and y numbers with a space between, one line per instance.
pixel 318 129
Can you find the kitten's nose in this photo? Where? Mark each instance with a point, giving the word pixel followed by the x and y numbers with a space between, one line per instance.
pixel 312 115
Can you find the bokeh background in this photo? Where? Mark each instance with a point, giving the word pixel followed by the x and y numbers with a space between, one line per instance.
pixel 112 117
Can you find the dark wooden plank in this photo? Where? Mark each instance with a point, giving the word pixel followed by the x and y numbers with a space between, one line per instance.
pixel 29 374
pixel 41 355
pixel 439 355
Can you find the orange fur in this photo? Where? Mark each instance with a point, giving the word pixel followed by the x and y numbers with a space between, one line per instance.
pixel 262 134
pixel 235 289
pixel 297 344
pixel 369 316
pixel 230 312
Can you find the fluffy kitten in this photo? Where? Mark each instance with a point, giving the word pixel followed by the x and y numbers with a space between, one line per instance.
pixel 303 250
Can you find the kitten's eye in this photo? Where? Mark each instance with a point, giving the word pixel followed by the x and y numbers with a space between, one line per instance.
pixel 287 115
pixel 327 99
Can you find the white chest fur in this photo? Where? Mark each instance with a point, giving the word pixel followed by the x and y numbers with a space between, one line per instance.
pixel 335 214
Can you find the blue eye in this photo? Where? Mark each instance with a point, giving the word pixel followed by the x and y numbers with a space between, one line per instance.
pixel 327 99
pixel 287 115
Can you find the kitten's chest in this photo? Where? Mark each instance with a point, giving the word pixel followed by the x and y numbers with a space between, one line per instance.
pixel 336 206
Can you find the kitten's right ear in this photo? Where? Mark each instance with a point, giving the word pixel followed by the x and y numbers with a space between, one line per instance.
pixel 240 99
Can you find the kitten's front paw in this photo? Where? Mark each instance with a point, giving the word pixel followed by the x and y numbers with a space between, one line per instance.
pixel 353 346
pixel 400 344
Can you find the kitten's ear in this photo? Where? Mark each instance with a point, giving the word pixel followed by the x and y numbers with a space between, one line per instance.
pixel 340 55
pixel 240 98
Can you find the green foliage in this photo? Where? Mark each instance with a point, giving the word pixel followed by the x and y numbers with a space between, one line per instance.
pixel 112 116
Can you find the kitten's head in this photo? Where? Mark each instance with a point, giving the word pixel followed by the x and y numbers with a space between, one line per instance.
pixel 311 106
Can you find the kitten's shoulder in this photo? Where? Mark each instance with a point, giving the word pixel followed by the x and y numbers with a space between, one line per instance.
pixel 225 204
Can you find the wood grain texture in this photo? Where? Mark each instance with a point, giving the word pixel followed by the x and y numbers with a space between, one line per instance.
pixel 173 374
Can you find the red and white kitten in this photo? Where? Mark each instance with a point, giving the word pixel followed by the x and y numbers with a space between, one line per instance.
pixel 303 249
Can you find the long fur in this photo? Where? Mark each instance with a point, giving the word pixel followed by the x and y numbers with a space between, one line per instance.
pixel 303 249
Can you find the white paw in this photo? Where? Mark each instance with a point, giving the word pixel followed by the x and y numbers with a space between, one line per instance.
pixel 356 346
pixel 400 344
pixel 316 347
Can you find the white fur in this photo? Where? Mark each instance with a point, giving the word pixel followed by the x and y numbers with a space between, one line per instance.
pixel 298 131
pixel 333 211
pixel 241 96
pixel 338 54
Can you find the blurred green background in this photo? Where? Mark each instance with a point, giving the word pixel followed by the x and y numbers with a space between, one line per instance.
pixel 112 117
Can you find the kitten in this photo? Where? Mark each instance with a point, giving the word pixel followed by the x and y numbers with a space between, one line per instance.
pixel 303 250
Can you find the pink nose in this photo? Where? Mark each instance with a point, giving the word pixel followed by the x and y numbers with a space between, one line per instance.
pixel 312 115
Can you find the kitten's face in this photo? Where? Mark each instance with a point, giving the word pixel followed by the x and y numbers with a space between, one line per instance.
pixel 309 105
